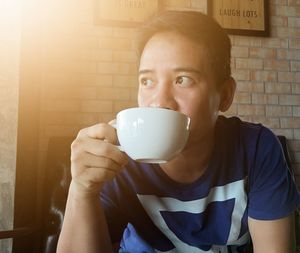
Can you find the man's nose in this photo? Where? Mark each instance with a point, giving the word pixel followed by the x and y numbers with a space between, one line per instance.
pixel 164 97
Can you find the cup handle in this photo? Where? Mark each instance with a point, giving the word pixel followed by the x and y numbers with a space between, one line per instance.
pixel 114 125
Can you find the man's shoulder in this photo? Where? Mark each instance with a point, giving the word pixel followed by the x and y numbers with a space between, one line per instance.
pixel 235 122
pixel 236 128
pixel 233 133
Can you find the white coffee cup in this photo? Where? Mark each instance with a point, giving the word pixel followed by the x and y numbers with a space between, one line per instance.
pixel 152 135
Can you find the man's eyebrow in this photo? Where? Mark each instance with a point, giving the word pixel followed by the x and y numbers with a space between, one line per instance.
pixel 145 71
pixel 190 70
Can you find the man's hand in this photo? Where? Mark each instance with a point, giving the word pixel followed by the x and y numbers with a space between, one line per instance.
pixel 95 159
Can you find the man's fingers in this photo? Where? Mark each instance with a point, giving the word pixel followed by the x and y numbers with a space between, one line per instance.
pixel 94 157
pixel 87 160
pixel 100 131
pixel 98 148
pixel 113 123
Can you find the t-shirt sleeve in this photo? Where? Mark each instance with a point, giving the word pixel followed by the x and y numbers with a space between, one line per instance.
pixel 115 220
pixel 273 193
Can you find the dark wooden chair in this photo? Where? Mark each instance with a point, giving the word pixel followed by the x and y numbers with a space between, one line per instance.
pixel 57 180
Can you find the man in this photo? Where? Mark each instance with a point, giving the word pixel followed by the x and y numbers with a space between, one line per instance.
pixel 230 183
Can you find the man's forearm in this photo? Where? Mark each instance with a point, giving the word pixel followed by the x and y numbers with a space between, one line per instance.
pixel 84 228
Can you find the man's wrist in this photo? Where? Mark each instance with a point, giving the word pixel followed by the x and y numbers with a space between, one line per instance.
pixel 81 193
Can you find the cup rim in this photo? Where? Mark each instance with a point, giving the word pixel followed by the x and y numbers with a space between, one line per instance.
pixel 153 108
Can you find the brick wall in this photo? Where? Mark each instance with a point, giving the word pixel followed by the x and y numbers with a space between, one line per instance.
pixel 90 71
pixel 268 78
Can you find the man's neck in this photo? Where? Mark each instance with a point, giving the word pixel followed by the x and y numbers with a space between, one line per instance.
pixel 190 165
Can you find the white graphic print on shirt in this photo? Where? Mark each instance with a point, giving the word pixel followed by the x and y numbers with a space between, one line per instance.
pixel 233 191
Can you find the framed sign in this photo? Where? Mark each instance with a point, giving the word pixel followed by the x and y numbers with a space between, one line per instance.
pixel 124 12
pixel 241 17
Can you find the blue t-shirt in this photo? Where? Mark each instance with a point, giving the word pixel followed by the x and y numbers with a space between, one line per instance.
pixel 246 177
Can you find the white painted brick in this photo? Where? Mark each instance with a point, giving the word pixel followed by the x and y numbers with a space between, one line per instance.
pixel 278 88
pixel 267 121
pixel 62 105
pixel 287 11
pixel 242 98
pixel 263 53
pixel 125 81
pixel 89 42
pixel 268 76
pixel 96 106
pixel 250 110
pixel 296 88
pixel 275 43
pixel 279 21
pixel 75 92
pixel 286 76
pixel 294 2
pixel 111 93
pixel 96 79
pixel 294 43
pixel 115 68
pixel 241 52
pixel 294 32
pixel 264 99
pixel 134 93
pixel 125 56
pixel 280 32
pixel 89 67
pixel 295 65
pixel 62 131
pixel 74 118
pixel 278 111
pixel 101 55
pixel 297 134
pixel 289 99
pixel 108 68
pixel 125 69
pixel 124 32
pixel 250 87
pixel 243 75
pixel 93 30
pixel 288 54
pixel 116 44
pixel 245 41
pixel 278 2
pixel 296 111
pixel 297 77
pixel 290 122
pixel 249 63
pixel 271 64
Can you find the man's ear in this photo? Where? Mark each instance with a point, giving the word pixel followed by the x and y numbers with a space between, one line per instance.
pixel 227 94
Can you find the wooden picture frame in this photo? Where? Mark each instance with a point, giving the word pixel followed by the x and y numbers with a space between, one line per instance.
pixel 241 17
pixel 123 12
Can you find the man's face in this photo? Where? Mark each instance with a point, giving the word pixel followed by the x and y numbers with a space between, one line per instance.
pixel 171 75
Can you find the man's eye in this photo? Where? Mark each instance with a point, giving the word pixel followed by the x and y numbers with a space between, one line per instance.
pixel 146 82
pixel 184 81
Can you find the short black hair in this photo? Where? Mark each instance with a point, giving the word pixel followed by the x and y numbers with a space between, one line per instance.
pixel 198 27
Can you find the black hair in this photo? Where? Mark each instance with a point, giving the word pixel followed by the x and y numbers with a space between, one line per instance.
pixel 198 27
